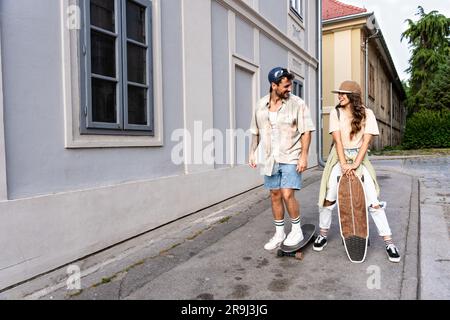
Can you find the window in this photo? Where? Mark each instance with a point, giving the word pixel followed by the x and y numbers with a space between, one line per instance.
pixel 371 81
pixel 117 67
pixel 297 89
pixel 297 6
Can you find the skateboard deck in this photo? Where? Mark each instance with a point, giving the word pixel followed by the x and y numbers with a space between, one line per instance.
pixel 353 217
pixel 295 251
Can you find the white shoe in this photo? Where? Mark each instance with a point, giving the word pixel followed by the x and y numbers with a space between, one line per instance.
pixel 293 238
pixel 275 241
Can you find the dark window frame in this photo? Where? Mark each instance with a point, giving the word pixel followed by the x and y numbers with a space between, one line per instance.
pixel 122 125
pixel 371 81
pixel 298 85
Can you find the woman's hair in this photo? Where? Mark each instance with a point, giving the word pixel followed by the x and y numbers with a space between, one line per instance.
pixel 358 111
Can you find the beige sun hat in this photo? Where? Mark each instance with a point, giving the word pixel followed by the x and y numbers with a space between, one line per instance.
pixel 349 87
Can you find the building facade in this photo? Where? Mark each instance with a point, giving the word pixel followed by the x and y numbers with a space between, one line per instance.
pixel 117 117
pixel 354 49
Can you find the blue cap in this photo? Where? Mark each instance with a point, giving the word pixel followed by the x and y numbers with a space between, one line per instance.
pixel 277 73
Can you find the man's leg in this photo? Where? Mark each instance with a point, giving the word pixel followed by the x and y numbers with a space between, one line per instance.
pixel 278 219
pixel 292 206
pixel 277 204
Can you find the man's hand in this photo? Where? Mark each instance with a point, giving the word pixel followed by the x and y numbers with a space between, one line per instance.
pixel 252 162
pixel 302 164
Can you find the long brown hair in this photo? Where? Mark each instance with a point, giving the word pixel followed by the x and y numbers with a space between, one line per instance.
pixel 358 112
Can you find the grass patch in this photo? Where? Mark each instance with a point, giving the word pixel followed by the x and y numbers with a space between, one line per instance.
pixel 134 265
pixel 167 250
pixel 225 219
pixel 107 280
pixel 195 235
pixel 389 151
pixel 74 294
pixel 104 281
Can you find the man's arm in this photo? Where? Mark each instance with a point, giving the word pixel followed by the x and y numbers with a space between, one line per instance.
pixel 253 147
pixel 302 163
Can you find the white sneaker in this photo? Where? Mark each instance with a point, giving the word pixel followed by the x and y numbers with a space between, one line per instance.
pixel 276 240
pixel 293 238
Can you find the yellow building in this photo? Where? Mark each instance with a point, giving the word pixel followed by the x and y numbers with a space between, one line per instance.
pixel 354 49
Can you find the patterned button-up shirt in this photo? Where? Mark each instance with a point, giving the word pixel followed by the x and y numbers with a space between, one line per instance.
pixel 294 119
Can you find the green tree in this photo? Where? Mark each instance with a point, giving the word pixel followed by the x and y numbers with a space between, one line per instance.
pixel 438 89
pixel 430 44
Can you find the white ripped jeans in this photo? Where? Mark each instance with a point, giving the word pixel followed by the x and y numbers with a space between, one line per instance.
pixel 378 215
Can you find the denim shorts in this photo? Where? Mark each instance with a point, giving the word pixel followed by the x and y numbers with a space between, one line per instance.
pixel 284 176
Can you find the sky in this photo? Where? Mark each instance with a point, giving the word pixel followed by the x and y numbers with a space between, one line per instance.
pixel 391 15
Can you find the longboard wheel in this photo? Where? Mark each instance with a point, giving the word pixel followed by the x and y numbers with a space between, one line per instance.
pixel 299 255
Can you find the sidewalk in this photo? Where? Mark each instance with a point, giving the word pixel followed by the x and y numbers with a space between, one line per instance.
pixel 218 253
pixel 434 237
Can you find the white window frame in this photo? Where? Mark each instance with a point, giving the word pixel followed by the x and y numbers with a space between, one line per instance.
pixel 254 70
pixel 298 7
pixel 74 106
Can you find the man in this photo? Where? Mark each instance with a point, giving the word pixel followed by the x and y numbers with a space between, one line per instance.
pixel 283 123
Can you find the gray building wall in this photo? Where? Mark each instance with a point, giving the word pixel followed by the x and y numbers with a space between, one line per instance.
pixel 37 162
pixel 272 54
pixel 275 12
pixel 64 203
pixel 221 77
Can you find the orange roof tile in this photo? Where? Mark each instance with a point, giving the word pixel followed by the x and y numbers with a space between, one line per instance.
pixel 335 9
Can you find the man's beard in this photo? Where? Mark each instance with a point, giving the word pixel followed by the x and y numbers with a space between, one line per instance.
pixel 283 96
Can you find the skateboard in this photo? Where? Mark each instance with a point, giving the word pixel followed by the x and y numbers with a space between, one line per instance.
pixel 285 251
pixel 353 217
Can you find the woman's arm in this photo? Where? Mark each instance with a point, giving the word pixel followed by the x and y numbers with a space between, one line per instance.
pixel 362 151
pixel 345 167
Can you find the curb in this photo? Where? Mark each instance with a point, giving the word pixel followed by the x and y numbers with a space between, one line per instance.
pixel 410 279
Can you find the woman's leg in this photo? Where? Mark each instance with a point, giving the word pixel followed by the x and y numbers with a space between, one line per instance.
pixel 376 210
pixel 326 211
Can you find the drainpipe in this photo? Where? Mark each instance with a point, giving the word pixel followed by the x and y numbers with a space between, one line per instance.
pixel 391 102
pixel 366 73
pixel 366 53
pixel 319 85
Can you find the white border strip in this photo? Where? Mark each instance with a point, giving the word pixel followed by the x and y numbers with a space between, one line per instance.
pixel 3 185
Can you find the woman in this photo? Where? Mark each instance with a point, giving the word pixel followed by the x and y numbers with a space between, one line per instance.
pixel 352 126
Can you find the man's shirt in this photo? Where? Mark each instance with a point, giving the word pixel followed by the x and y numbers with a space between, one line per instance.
pixel 293 119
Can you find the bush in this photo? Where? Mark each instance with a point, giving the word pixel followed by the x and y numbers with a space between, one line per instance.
pixel 428 129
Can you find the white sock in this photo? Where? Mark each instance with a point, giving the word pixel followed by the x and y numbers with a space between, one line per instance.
pixel 296 225
pixel 279 227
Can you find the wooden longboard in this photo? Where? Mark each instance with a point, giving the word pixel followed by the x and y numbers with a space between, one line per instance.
pixel 353 217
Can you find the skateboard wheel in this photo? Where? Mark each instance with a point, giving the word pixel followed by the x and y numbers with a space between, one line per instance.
pixel 280 253
pixel 299 255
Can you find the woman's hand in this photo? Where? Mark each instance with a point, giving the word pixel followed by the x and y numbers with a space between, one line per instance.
pixel 349 169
